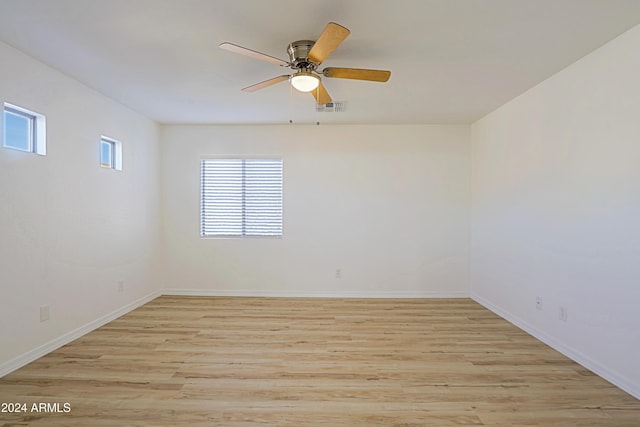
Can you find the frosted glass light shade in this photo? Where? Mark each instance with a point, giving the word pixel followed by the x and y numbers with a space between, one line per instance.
pixel 305 82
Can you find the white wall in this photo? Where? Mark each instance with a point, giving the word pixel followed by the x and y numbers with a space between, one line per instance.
pixel 556 210
pixel 70 230
pixel 388 205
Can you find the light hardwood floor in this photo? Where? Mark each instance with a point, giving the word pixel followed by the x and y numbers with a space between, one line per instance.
pixel 201 361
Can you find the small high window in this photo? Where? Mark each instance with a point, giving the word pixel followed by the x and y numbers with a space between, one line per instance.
pixel 110 153
pixel 24 130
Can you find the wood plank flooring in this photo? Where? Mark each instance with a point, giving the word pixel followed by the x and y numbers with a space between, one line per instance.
pixel 202 361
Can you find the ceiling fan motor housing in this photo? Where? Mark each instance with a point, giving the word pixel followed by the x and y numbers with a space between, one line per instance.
pixel 299 55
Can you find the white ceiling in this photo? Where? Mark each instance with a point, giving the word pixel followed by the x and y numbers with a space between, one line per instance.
pixel 452 61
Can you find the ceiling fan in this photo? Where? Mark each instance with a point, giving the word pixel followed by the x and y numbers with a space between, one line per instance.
pixel 304 58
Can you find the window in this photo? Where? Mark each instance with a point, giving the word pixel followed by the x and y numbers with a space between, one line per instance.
pixel 107 150
pixel 24 130
pixel 241 197
pixel 110 153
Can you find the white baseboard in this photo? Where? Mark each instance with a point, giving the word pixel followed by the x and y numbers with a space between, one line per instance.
pixel 31 355
pixel 302 294
pixel 578 357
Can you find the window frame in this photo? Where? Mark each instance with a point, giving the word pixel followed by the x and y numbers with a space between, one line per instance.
pixel 115 159
pixel 36 132
pixel 246 223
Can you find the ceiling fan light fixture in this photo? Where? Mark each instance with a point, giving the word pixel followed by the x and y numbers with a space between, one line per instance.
pixel 304 58
pixel 305 81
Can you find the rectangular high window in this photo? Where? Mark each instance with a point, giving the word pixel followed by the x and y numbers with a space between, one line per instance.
pixel 24 130
pixel 240 197
pixel 107 150
pixel 110 153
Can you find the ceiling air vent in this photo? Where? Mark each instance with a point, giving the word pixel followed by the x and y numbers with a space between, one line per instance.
pixel 331 107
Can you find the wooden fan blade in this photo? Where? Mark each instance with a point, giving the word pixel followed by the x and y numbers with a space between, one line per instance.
pixel 331 37
pixel 321 95
pixel 357 74
pixel 265 83
pixel 252 53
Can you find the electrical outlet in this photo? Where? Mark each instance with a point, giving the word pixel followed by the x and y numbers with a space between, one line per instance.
pixel 120 285
pixel 338 273
pixel 44 313
pixel 563 314
pixel 538 303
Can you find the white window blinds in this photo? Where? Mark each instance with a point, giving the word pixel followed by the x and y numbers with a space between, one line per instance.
pixel 241 197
